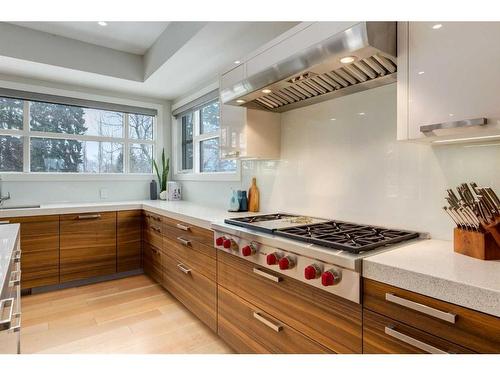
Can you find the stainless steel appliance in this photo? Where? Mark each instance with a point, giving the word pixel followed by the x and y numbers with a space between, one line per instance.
pixel 10 302
pixel 323 253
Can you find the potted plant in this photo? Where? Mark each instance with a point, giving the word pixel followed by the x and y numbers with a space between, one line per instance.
pixel 162 174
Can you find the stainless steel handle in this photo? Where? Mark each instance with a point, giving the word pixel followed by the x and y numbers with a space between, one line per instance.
pixel 5 323
pixel 15 278
pixel 230 154
pixel 447 317
pixel 268 276
pixel 5 222
pixel 156 229
pixel 154 249
pixel 184 241
pixel 453 124
pixel 17 256
pixel 183 268
pixel 88 217
pixel 413 342
pixel 183 227
pixel 268 323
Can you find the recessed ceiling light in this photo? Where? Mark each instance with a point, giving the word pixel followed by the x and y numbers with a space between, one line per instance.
pixel 237 61
pixel 420 73
pixel 361 113
pixel 347 59
pixel 266 91
pixel 333 119
pixel 240 101
pixel 451 114
pixel 437 26
pixel 102 23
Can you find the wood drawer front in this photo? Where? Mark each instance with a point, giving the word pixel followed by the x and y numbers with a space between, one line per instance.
pixel 153 233
pixel 244 327
pixel 332 321
pixel 477 331
pixel 40 250
pixel 194 254
pixel 129 240
pixel 152 263
pixel 176 228
pixel 88 245
pixel 400 338
pixel 195 291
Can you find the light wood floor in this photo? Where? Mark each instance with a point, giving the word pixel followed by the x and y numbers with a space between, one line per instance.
pixel 131 315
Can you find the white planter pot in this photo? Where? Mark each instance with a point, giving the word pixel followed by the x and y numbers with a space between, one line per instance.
pixel 163 195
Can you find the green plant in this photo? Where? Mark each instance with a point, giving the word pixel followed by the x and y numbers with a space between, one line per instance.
pixel 162 177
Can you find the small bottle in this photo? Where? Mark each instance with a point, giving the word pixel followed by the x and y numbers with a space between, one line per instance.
pixel 153 190
pixel 234 204
pixel 242 198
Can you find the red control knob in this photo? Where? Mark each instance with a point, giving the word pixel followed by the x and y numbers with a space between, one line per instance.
pixel 271 259
pixel 248 250
pixel 286 263
pixel 312 272
pixel 330 277
pixel 219 241
pixel 227 243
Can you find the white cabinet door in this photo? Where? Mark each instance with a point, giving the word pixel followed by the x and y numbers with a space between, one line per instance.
pixel 232 125
pixel 453 74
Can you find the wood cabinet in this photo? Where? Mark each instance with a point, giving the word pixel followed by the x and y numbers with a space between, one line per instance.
pixel 249 329
pixel 153 262
pixel 333 322
pixel 128 240
pixel 447 73
pixel 40 246
pixel 457 325
pixel 88 245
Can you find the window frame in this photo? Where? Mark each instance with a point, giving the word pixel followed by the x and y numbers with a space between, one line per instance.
pixel 26 133
pixel 195 174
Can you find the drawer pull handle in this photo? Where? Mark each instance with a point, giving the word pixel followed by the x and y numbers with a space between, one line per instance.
pixel 183 268
pixel 9 302
pixel 5 222
pixel 447 317
pixel 15 278
pixel 268 276
pixel 156 229
pixel 154 249
pixel 260 318
pixel 17 256
pixel 183 227
pixel 413 342
pixel 88 217
pixel 184 241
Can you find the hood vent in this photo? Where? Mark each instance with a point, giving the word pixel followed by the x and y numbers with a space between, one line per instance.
pixel 321 75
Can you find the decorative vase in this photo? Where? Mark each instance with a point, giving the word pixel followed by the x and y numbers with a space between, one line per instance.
pixel 163 195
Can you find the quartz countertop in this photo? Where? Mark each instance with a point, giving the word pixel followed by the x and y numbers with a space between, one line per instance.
pixel 8 236
pixel 189 212
pixel 432 268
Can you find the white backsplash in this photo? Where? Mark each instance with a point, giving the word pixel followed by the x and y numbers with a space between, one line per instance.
pixel 352 168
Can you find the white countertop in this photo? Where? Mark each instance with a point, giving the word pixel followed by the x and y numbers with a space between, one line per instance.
pixel 432 268
pixel 192 213
pixel 8 236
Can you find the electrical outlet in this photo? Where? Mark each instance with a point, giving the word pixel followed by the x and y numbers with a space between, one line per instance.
pixel 103 193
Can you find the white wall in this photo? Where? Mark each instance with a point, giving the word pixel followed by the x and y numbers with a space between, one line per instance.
pixel 31 189
pixel 354 169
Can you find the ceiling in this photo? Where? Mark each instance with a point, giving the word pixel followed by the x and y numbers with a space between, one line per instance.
pixel 153 59
pixel 132 37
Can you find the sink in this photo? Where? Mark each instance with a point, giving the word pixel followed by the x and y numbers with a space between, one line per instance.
pixel 20 207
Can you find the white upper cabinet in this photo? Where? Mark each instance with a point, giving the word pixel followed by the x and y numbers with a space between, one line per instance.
pixel 448 77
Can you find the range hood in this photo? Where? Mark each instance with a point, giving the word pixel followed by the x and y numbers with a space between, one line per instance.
pixel 359 58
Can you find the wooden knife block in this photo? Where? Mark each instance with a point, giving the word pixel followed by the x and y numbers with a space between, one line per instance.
pixel 475 244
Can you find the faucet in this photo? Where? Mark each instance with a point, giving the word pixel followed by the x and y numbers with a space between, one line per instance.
pixel 2 197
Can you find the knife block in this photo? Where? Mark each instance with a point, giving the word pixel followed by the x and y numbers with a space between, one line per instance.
pixel 475 244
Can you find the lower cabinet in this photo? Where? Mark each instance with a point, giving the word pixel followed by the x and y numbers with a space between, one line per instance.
pixel 248 329
pixel 153 262
pixel 87 245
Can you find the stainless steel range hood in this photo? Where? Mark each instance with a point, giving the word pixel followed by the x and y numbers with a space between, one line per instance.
pixel 318 73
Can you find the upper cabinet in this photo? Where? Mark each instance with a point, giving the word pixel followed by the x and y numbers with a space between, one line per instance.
pixel 247 133
pixel 448 81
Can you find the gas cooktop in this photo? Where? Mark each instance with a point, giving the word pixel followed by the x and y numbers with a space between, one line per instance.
pixel 355 238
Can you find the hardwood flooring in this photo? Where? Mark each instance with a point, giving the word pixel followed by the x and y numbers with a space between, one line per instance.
pixel 132 315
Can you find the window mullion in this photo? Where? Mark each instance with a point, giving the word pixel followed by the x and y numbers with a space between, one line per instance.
pixel 26 137
pixel 126 152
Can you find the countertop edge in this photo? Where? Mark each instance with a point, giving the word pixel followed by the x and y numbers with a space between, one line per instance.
pixel 472 297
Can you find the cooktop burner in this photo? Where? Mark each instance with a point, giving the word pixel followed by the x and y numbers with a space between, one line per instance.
pixel 338 235
pixel 346 236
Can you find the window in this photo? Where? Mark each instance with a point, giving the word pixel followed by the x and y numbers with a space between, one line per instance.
pixel 55 138
pixel 199 141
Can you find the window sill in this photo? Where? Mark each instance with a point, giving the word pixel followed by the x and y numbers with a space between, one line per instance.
pixel 13 176
pixel 218 176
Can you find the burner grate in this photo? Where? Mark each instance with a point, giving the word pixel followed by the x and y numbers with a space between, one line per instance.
pixel 354 238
